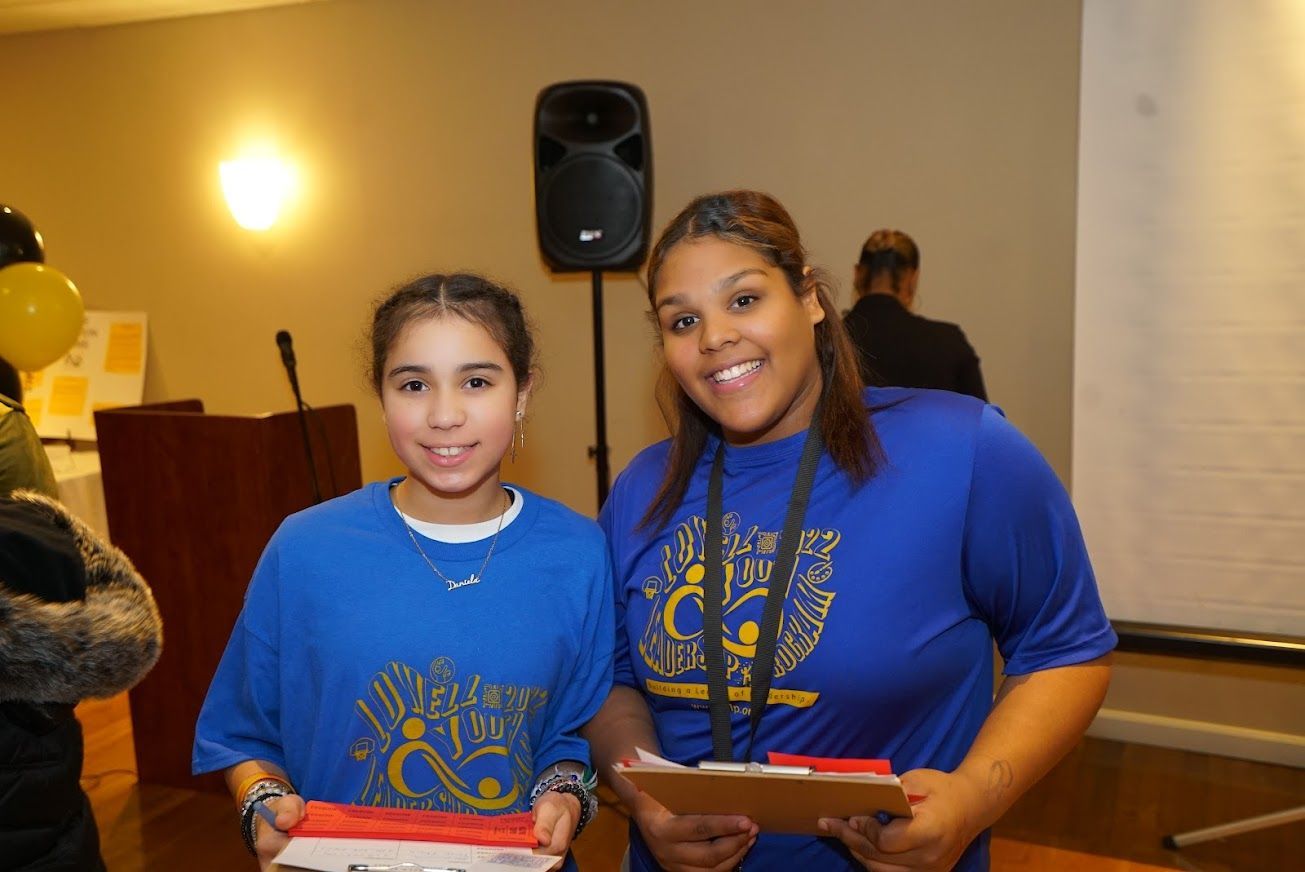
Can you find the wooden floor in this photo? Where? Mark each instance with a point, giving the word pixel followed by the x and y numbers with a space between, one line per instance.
pixel 1104 809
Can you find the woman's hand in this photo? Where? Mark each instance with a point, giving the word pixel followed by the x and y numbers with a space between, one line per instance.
pixel 681 843
pixel 269 840
pixel 556 815
pixel 692 842
pixel 933 839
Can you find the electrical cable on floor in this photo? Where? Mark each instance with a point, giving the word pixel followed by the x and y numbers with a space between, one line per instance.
pixel 92 781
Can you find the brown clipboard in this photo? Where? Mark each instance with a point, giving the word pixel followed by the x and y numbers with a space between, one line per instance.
pixel 778 803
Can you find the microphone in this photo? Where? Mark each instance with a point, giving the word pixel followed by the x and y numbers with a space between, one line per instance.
pixel 283 342
pixel 287 351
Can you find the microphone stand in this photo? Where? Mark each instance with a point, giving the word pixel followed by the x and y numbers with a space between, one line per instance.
pixel 303 429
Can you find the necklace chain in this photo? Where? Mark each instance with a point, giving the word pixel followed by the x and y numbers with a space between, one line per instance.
pixel 475 577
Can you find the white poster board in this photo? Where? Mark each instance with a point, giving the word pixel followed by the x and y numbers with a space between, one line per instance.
pixel 1189 365
pixel 104 369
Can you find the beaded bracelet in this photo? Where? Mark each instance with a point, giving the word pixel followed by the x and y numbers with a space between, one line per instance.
pixel 243 790
pixel 579 785
pixel 259 792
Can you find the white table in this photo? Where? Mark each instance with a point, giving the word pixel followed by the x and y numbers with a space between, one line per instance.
pixel 81 488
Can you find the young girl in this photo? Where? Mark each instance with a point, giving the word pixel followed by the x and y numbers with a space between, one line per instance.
pixel 807 568
pixel 430 642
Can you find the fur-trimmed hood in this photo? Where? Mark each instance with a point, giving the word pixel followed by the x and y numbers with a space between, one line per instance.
pixel 65 652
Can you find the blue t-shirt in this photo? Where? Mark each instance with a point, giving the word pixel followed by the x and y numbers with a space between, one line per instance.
pixel 885 647
pixel 358 670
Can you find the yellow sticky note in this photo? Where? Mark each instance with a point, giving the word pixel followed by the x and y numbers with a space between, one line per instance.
pixel 33 407
pixel 95 407
pixel 68 395
pixel 123 354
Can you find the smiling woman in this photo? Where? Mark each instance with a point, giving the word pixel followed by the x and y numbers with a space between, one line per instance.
pixel 739 340
pixel 725 239
pixel 486 608
pixel 807 568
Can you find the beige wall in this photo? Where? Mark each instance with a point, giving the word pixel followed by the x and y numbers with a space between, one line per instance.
pixel 411 122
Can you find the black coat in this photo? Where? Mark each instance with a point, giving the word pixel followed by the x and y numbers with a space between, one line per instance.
pixel 59 643
pixel 900 349
pixel 45 819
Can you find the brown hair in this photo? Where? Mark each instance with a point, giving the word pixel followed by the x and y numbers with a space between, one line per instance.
pixel 470 297
pixel 887 251
pixel 759 222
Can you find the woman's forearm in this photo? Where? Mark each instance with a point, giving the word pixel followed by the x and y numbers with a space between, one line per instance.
pixel 621 725
pixel 1035 721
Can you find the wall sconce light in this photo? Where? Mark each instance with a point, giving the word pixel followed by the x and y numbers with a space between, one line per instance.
pixel 256 188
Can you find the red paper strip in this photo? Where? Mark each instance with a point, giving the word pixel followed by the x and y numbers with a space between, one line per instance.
pixel 333 820
pixel 831 764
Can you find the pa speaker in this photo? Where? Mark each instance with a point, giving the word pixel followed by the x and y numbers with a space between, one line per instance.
pixel 593 176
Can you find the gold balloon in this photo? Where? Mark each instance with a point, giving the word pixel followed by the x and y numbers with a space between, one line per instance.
pixel 40 315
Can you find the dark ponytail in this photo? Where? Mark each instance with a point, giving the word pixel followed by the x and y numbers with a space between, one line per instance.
pixel 887 252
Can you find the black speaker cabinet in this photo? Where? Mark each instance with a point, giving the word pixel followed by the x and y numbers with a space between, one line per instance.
pixel 593 176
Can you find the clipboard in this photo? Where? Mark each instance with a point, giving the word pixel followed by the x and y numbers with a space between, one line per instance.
pixel 779 802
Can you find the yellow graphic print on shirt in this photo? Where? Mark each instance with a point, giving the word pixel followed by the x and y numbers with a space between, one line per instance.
pixel 445 742
pixel 671 643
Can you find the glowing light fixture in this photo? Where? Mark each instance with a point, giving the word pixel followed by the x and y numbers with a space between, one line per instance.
pixel 256 188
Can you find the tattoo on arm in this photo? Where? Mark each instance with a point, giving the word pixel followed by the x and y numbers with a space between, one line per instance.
pixel 1000 778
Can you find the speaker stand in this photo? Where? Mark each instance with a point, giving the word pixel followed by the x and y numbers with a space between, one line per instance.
pixel 598 451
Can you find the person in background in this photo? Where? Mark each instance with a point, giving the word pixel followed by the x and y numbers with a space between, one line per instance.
pixel 76 621
pixel 434 641
pixel 23 461
pixel 897 346
pixel 926 528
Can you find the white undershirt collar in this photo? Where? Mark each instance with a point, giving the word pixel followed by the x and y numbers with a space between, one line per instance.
pixel 459 533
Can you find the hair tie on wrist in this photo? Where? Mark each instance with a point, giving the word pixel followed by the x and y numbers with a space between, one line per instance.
pixel 243 790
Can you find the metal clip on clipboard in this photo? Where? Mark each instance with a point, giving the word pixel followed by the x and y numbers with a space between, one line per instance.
pixel 767 768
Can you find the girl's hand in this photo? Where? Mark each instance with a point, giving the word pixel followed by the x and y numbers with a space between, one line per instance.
pixel 556 815
pixel 932 840
pixel 692 842
pixel 270 840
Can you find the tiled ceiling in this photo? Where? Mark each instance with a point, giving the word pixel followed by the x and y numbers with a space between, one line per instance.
pixel 17 16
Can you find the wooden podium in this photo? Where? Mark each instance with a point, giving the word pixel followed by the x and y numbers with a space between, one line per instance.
pixel 192 499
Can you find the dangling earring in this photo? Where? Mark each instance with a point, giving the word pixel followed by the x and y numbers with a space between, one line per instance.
pixel 521 433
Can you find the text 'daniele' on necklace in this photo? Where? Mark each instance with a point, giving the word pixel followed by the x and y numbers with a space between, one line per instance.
pixel 478 575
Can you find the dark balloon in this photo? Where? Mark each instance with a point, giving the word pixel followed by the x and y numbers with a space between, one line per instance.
pixel 19 241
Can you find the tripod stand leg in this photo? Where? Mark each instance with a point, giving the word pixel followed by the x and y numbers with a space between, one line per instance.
pixel 1246 825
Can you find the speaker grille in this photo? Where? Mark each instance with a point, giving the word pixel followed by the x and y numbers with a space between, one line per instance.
pixel 588 114
pixel 593 207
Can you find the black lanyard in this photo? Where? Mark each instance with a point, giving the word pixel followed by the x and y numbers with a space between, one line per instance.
pixel 763 663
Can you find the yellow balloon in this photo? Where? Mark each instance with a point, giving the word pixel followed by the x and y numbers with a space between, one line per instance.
pixel 40 315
